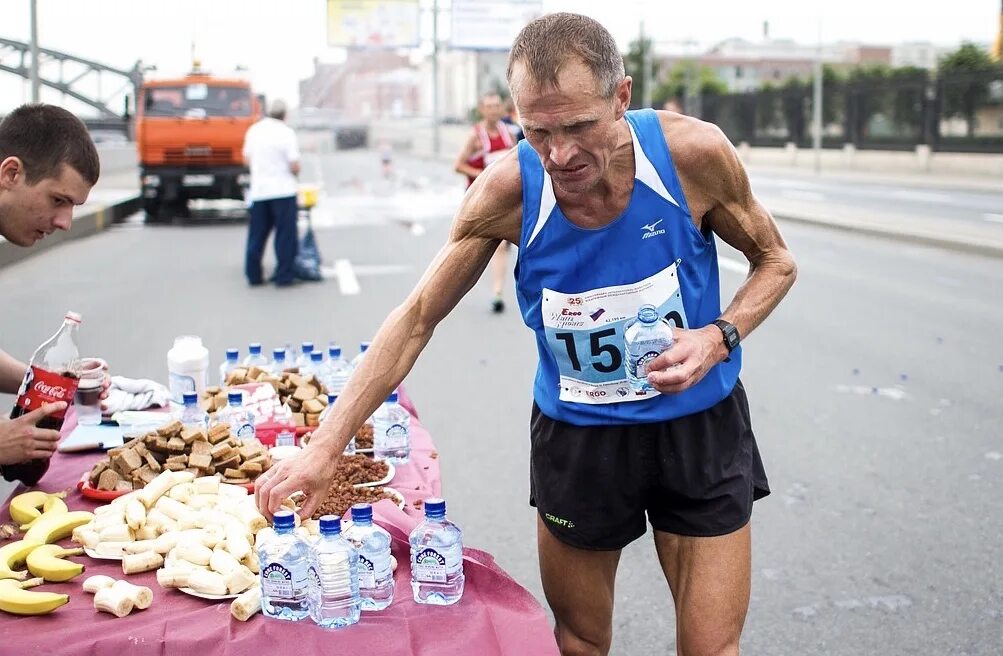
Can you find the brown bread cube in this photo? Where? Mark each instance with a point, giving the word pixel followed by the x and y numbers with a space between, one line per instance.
pixel 189 435
pixel 176 444
pixel 313 406
pixel 200 460
pixel 201 446
pixel 305 393
pixel 170 429
pixel 108 480
pixel 123 486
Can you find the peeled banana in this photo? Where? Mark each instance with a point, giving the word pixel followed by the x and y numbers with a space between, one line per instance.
pixel 48 562
pixel 13 556
pixel 29 506
pixel 53 527
pixel 16 599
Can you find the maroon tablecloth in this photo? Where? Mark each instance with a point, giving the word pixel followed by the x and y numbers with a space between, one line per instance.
pixel 495 617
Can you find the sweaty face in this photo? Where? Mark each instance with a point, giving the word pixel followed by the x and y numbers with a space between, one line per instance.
pixel 491 108
pixel 571 126
pixel 30 212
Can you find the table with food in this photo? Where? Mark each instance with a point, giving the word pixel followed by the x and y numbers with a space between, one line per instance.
pixel 142 532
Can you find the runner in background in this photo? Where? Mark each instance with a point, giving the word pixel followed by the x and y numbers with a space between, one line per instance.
pixel 511 119
pixel 489 140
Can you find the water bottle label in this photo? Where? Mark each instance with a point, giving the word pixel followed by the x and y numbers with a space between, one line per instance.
pixel 641 368
pixel 367 577
pixel 245 432
pixel 277 582
pixel 396 437
pixel 428 566
pixel 181 385
pixel 584 331
pixel 285 438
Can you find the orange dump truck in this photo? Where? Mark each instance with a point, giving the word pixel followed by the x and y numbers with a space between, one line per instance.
pixel 190 134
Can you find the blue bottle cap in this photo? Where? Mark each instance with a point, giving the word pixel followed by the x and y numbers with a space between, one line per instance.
pixel 392 398
pixel 190 398
pixel 363 347
pixel 330 525
pixel 232 354
pixel 284 519
pixel 254 348
pixel 307 347
pixel 435 508
pixel 279 354
pixel 235 398
pixel 362 513
pixel 331 398
pixel 316 356
pixel 334 351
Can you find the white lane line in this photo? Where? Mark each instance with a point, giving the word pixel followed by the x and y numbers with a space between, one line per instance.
pixel 347 282
pixel 989 216
pixel 922 196
pixel 799 194
pixel 728 264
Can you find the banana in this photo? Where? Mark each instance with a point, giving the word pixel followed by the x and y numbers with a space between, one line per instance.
pixel 50 528
pixel 47 561
pixel 25 507
pixel 12 556
pixel 16 599
pixel 54 504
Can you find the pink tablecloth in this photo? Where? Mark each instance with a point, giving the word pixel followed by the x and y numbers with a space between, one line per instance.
pixel 495 617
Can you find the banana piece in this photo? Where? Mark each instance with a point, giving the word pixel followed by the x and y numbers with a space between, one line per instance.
pixel 116 533
pixel 118 602
pixel 213 536
pixel 193 552
pixel 222 562
pixel 206 582
pixel 52 528
pixel 12 556
pixel 157 488
pixel 166 541
pixel 247 604
pixel 146 533
pixel 173 577
pixel 135 514
pixel 141 562
pixel 48 562
pixel 312 526
pixel 182 492
pixel 111 549
pixel 200 501
pixel 206 485
pixel 140 546
pixel 141 596
pixel 54 505
pixel 29 506
pixel 233 491
pixel 251 562
pixel 239 579
pixel 173 508
pixel 98 582
pixel 236 541
pixel 17 599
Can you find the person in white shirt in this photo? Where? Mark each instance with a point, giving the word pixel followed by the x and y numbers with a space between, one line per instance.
pixel 272 154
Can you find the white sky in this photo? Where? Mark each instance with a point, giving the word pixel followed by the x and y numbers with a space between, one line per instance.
pixel 277 40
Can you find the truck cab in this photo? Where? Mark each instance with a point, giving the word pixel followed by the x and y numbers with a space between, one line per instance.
pixel 190 135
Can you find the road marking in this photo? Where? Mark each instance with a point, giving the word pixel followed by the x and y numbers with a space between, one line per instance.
pixel 922 196
pixel 989 216
pixel 799 194
pixel 347 282
pixel 735 266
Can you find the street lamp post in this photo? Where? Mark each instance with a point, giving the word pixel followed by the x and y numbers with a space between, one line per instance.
pixel 816 105
pixel 35 85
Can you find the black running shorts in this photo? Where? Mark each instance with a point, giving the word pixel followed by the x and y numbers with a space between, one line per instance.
pixel 696 476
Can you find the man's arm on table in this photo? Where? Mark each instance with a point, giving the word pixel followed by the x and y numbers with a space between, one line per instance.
pixel 738 218
pixel 491 211
pixel 11 373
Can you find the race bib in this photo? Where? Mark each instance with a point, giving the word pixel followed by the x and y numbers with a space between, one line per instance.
pixel 585 333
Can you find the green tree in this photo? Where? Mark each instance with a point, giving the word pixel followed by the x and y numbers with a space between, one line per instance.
pixel 794 93
pixel 965 85
pixel 633 63
pixel 909 88
pixel 687 78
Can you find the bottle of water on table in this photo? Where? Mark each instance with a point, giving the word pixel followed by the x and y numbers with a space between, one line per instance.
pixel 357 360
pixel 644 340
pixel 278 363
pixel 232 362
pixel 192 415
pixel 337 371
pixel 376 577
pixel 436 557
pixel 237 417
pixel 334 576
pixel 254 357
pixel 284 560
pixel 303 359
pixel 392 432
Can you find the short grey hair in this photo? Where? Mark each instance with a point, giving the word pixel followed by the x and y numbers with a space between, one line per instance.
pixel 277 109
pixel 548 42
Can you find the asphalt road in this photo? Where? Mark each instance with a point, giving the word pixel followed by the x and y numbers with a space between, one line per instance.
pixel 875 390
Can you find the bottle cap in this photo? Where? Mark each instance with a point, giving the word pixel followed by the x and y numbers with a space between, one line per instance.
pixel 330 525
pixel 284 519
pixel 190 398
pixel 254 348
pixel 647 314
pixel 232 354
pixel 331 398
pixel 435 508
pixel 307 347
pixel 316 356
pixel 334 351
pixel 235 398
pixel 73 316
pixel 279 354
pixel 363 347
pixel 362 512
pixel 392 398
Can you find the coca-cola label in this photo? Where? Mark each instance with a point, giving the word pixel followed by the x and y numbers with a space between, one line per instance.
pixel 40 387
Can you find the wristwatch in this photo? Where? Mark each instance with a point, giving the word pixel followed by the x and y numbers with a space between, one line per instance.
pixel 731 336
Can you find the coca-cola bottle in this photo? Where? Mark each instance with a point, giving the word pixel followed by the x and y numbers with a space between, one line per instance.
pixel 52 376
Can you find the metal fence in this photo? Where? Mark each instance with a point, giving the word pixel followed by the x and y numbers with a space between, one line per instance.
pixel 957 113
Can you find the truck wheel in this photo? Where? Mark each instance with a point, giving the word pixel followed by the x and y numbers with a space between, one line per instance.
pixel 154 210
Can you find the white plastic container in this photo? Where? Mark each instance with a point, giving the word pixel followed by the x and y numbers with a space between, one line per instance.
pixel 188 367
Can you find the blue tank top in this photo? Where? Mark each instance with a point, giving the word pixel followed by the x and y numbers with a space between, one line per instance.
pixel 577 288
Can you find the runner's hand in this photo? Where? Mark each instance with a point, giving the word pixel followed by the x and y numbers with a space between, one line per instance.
pixel 692 355
pixel 21 440
pixel 310 471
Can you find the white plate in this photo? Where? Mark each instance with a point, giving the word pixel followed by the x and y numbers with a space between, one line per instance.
pixel 369 450
pixel 397 497
pixel 95 555
pixel 391 470
pixel 211 597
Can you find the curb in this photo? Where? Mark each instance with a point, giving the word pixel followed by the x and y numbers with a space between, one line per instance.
pixel 84 225
pixel 989 249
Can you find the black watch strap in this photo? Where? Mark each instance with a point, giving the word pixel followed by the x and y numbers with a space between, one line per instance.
pixel 730 332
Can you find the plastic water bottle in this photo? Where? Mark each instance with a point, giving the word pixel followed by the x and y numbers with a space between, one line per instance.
pixel 376 577
pixel 392 432
pixel 303 361
pixel 436 557
pixel 192 414
pixel 337 372
pixel 278 363
pixel 334 577
pixel 643 340
pixel 357 360
pixel 331 398
pixel 240 420
pixel 284 560
pixel 232 362
pixel 254 357
pixel 316 366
